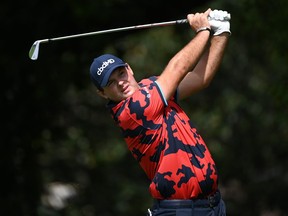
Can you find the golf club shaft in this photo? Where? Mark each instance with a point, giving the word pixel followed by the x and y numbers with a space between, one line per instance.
pixel 120 29
pixel 34 50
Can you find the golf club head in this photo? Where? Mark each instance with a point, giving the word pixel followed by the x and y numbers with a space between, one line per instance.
pixel 34 50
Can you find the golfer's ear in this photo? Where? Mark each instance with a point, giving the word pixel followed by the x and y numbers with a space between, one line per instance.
pixel 101 94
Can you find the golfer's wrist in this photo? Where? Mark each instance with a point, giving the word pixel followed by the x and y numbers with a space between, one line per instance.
pixel 204 28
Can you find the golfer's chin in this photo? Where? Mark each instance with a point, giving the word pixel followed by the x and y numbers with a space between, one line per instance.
pixel 123 95
pixel 120 97
pixel 126 95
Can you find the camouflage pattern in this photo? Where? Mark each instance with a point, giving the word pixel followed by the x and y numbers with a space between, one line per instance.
pixel 167 146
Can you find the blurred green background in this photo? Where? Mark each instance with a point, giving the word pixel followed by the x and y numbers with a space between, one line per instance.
pixel 61 153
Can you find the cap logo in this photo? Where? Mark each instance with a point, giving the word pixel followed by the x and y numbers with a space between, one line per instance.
pixel 104 65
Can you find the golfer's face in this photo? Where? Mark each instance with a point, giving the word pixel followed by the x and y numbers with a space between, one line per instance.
pixel 121 84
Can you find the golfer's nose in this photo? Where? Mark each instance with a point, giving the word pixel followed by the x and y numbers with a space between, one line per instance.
pixel 120 82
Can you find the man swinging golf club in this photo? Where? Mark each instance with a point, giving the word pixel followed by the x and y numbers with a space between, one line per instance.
pixel 160 136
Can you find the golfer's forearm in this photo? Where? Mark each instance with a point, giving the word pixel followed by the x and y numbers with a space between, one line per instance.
pixel 206 68
pixel 187 58
pixel 215 56
pixel 183 62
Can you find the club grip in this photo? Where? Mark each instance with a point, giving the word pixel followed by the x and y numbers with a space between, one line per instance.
pixel 181 21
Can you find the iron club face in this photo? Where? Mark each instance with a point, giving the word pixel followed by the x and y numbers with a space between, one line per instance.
pixel 34 50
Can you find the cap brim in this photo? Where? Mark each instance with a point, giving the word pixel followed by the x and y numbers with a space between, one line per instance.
pixel 108 74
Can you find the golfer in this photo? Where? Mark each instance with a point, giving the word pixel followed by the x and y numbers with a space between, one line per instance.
pixel 159 134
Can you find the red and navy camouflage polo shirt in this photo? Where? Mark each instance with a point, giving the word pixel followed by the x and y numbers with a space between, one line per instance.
pixel 167 146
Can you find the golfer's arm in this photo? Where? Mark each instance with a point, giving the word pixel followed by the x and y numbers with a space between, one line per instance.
pixel 206 69
pixel 183 62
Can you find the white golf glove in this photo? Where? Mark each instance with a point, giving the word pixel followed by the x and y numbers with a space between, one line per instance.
pixel 219 21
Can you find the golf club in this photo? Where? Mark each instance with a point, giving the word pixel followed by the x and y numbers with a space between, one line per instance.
pixel 34 50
